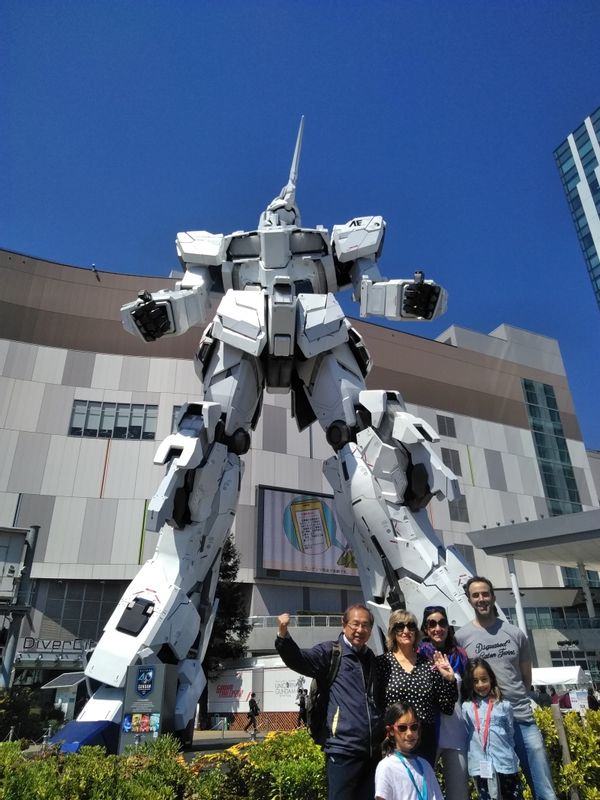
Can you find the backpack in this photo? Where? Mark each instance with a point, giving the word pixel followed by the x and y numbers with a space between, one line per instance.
pixel 318 698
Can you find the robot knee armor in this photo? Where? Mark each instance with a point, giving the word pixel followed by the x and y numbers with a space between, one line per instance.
pixel 239 442
pixel 339 434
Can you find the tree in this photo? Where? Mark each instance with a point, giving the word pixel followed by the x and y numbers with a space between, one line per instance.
pixel 231 629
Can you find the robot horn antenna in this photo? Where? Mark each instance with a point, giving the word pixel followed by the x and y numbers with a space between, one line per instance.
pixel 282 210
pixel 296 159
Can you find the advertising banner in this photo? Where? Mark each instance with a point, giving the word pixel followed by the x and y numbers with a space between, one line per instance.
pixel 230 692
pixel 281 687
pixel 300 533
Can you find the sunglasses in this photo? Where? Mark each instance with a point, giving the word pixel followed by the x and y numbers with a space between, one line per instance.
pixel 400 626
pixel 434 610
pixel 436 623
pixel 414 726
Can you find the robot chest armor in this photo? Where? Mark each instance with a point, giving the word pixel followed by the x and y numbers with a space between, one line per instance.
pixel 306 275
pixel 280 321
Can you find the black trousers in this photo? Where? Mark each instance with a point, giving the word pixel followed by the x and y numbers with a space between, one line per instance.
pixel 427 748
pixel 350 778
pixel 510 787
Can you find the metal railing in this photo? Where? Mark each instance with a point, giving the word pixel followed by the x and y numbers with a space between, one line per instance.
pixel 299 621
pixel 333 621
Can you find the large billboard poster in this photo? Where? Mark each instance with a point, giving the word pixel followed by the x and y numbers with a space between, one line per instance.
pixel 300 534
pixel 281 687
pixel 231 690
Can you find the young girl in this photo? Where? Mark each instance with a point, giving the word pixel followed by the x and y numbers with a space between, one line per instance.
pixel 492 759
pixel 401 775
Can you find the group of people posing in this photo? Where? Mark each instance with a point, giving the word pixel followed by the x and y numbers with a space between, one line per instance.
pixel 461 697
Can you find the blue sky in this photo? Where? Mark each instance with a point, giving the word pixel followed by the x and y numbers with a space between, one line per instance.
pixel 122 123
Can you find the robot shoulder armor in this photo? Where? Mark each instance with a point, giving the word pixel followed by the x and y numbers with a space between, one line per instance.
pixel 201 247
pixel 361 237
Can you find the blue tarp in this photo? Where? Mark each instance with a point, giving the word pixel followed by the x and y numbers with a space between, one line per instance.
pixel 83 734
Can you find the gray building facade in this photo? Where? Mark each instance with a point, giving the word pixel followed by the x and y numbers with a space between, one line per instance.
pixel 83 407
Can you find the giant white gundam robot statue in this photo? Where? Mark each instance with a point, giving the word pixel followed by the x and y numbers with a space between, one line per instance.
pixel 278 326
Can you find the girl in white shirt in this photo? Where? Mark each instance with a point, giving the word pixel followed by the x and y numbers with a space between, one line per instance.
pixel 401 775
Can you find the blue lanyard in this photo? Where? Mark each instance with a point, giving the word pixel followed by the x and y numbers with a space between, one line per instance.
pixel 423 792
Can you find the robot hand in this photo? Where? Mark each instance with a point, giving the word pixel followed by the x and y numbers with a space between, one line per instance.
pixel 165 313
pixel 151 318
pixel 416 299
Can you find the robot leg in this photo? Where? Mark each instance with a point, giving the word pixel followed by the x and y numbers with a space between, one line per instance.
pixel 167 613
pixel 383 482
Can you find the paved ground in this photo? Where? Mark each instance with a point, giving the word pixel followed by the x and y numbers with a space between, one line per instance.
pixel 214 741
pixel 203 742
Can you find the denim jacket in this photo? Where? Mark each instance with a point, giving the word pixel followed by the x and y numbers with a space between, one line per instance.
pixel 500 743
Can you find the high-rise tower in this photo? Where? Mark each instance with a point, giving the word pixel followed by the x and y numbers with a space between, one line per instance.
pixel 578 160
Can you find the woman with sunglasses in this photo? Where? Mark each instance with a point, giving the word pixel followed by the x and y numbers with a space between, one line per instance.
pixel 404 675
pixel 452 738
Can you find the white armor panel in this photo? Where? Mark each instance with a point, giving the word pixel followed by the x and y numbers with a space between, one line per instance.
pixel 320 324
pixel 201 247
pixel 234 380
pixel 240 321
pixel 333 383
pixel 359 238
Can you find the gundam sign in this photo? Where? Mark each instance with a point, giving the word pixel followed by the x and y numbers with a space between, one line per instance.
pixel 279 328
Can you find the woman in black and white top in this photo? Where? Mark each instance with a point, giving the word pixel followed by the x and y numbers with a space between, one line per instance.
pixel 404 675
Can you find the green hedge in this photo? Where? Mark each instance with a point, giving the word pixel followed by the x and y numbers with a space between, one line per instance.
pixel 284 765
pixel 583 773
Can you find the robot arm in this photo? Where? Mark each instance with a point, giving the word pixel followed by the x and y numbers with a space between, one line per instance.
pixel 402 299
pixel 360 242
pixel 166 312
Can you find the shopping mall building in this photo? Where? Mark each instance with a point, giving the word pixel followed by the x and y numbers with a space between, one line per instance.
pixel 83 406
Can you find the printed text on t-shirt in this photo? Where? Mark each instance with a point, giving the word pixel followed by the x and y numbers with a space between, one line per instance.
pixel 495 649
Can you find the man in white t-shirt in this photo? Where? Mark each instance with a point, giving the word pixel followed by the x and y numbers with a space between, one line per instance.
pixel 506 648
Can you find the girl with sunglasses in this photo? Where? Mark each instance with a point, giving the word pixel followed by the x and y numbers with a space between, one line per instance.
pixel 452 734
pixel 402 775
pixel 404 675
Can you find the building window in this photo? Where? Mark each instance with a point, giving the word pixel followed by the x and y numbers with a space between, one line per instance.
pixel 458 509
pixel 554 462
pixel 174 416
pixel 467 551
pixel 451 459
pixel 572 578
pixel 79 609
pixel 445 426
pixel 113 420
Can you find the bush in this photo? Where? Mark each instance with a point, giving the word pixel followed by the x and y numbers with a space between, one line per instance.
pixel 284 765
pixel 152 772
pixel 583 736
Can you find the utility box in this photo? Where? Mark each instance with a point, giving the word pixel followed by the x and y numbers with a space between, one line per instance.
pixel 149 705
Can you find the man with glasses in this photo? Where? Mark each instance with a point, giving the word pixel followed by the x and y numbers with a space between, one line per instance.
pixel 507 650
pixel 354 731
